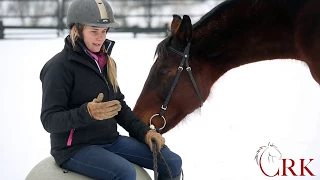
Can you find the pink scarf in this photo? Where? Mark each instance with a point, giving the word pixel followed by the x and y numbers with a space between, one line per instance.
pixel 100 58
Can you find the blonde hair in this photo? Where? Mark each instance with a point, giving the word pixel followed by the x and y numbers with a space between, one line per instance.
pixel 111 65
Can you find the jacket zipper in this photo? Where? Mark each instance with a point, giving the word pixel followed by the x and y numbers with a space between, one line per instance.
pixel 86 51
pixel 107 83
pixel 99 69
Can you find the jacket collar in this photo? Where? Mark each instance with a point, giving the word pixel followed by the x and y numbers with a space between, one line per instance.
pixel 79 54
pixel 81 49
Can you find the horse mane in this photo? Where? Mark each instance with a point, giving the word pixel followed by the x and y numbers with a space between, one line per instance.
pixel 161 49
pixel 206 17
pixel 213 20
pixel 271 8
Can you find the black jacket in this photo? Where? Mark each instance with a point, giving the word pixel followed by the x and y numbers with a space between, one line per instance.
pixel 70 80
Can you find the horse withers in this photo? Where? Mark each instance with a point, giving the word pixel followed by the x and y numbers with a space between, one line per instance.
pixel 234 33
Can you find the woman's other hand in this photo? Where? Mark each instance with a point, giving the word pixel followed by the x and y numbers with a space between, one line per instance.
pixel 103 110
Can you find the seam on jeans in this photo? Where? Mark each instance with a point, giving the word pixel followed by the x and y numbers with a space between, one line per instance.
pixel 93 167
pixel 100 169
pixel 144 158
pixel 147 159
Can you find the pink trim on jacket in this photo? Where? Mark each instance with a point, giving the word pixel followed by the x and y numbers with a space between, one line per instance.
pixel 70 137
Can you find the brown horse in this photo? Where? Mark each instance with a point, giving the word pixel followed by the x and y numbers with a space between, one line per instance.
pixel 234 33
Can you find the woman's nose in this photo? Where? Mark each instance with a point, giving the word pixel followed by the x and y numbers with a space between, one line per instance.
pixel 100 36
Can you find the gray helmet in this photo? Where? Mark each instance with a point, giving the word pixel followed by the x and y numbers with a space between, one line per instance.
pixel 97 13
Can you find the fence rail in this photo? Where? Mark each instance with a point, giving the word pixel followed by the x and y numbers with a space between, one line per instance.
pixel 136 16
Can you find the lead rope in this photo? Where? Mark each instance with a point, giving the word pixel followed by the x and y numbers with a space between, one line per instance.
pixel 155 161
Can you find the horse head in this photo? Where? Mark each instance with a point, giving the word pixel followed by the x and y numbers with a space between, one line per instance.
pixel 186 95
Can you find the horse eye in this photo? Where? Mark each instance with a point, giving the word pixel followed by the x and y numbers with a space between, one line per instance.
pixel 164 72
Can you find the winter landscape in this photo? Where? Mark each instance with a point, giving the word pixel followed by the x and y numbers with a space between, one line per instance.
pixel 274 102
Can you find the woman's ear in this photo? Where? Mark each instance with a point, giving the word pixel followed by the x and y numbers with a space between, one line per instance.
pixel 74 29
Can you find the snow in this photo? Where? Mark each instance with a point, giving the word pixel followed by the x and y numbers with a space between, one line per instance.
pixel 273 101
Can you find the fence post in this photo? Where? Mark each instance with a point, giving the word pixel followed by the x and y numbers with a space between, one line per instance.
pixel 60 15
pixel 1 30
pixel 149 14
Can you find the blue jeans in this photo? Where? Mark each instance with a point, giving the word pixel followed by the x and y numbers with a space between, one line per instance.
pixel 112 161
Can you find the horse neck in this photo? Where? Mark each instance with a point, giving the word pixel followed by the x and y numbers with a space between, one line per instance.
pixel 247 31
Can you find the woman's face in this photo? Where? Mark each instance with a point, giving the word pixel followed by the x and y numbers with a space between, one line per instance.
pixel 94 37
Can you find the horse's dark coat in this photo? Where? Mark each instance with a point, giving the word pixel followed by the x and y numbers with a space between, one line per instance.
pixel 232 34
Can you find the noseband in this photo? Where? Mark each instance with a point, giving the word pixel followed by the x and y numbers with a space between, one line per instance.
pixel 184 61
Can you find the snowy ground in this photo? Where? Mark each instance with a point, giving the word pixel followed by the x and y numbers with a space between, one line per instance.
pixel 272 101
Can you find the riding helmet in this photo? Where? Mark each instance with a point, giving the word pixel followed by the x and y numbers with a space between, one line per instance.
pixel 96 13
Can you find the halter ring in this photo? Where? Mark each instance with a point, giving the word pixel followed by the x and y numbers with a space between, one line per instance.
pixel 164 120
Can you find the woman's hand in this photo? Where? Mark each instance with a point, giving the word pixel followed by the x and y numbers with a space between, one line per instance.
pixel 153 135
pixel 103 110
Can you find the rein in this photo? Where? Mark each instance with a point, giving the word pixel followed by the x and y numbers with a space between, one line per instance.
pixel 155 161
pixel 184 61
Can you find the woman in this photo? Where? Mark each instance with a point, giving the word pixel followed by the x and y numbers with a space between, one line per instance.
pixel 83 132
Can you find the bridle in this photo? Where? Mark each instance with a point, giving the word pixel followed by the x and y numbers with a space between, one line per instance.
pixel 185 57
pixel 184 61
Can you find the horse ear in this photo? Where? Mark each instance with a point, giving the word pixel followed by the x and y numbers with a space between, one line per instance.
pixel 175 23
pixel 184 32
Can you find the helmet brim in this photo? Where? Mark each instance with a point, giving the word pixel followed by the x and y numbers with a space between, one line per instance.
pixel 99 25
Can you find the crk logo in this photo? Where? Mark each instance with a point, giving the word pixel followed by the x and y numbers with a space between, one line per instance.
pixel 269 159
